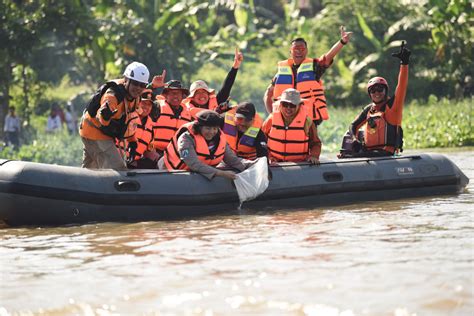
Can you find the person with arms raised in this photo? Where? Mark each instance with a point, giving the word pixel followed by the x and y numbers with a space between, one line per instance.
pixel 304 74
pixel 202 97
pixel 380 122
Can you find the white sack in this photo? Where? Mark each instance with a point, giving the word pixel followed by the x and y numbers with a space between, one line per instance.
pixel 253 181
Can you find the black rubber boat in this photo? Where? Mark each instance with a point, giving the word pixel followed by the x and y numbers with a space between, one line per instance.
pixel 43 195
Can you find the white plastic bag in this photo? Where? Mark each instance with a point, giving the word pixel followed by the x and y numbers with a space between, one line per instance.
pixel 253 181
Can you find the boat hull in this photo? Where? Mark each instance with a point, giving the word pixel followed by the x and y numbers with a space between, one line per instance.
pixel 41 194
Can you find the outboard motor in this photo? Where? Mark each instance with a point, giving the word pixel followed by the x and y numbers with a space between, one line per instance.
pixel 350 147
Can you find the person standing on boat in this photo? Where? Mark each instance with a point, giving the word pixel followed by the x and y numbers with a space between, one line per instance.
pixel 381 120
pixel 202 97
pixel 200 146
pixel 113 119
pixel 291 134
pixel 242 128
pixel 304 74
pixel 173 114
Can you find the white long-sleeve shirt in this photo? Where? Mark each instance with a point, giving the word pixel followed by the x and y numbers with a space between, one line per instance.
pixel 12 123
pixel 54 124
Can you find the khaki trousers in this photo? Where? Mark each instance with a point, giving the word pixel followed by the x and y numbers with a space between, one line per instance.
pixel 101 154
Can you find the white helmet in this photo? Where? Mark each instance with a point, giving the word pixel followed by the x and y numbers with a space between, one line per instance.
pixel 137 71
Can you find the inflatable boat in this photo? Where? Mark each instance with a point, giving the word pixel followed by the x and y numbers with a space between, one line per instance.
pixel 41 194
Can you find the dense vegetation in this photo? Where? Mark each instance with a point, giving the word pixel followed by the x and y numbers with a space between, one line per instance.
pixel 59 51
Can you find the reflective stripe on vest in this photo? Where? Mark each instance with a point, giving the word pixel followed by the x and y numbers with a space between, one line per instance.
pixel 194 110
pixel 245 146
pixel 167 125
pixel 288 143
pixel 172 157
pixel 311 90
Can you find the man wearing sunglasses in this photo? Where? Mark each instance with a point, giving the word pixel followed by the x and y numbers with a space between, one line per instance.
pixel 304 74
pixel 114 118
pixel 381 120
pixel 291 134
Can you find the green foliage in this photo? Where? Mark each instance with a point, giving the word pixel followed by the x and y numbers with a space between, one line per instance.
pixel 58 148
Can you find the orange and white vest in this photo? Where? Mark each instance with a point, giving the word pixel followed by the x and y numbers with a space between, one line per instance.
pixel 172 157
pixel 311 90
pixel 245 146
pixel 288 143
pixel 167 125
pixel 211 105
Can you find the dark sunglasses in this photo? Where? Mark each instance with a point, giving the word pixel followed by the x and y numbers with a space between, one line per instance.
pixel 377 89
pixel 288 105
pixel 138 84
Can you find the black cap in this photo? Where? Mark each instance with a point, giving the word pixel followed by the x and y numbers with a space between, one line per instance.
pixel 209 118
pixel 245 110
pixel 174 85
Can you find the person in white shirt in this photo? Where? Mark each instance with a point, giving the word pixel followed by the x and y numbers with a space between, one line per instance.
pixel 12 128
pixel 54 123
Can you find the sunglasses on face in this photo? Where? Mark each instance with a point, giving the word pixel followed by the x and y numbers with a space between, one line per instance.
pixel 377 89
pixel 138 84
pixel 288 105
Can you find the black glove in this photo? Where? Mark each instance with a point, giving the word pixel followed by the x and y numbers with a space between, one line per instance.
pixel 155 112
pixel 106 113
pixel 403 54
pixel 132 152
pixel 223 107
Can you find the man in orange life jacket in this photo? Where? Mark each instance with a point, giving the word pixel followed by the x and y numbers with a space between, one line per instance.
pixel 113 120
pixel 381 120
pixel 304 74
pixel 200 146
pixel 172 114
pixel 242 126
pixel 291 134
pixel 202 97
pixel 140 154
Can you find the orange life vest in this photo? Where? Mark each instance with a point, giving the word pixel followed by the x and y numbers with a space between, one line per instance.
pixel 172 157
pixel 245 146
pixel 167 125
pixel 311 90
pixel 144 138
pixel 379 134
pixel 288 143
pixel 211 105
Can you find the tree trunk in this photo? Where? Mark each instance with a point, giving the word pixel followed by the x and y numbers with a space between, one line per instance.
pixel 5 95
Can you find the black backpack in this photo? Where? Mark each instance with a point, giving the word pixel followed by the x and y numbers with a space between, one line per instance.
pixel 94 103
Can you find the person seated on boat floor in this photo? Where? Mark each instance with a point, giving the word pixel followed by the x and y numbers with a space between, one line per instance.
pixel 377 130
pixel 202 97
pixel 140 153
pixel 242 128
pixel 200 146
pixel 172 114
pixel 291 133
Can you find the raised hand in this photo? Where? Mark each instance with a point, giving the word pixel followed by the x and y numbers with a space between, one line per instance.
pixel 345 36
pixel 159 80
pixel 106 112
pixel 238 58
pixel 403 54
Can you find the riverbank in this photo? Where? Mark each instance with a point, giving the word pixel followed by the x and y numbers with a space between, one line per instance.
pixel 435 124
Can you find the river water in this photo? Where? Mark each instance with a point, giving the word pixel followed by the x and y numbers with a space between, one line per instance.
pixel 405 257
